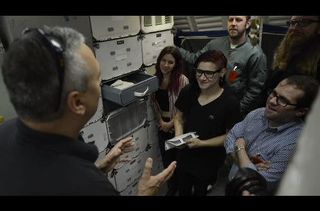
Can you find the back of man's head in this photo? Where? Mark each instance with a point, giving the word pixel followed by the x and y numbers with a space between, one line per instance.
pixel 40 68
pixel 249 180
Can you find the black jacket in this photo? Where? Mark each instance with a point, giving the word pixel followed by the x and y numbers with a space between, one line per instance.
pixel 36 163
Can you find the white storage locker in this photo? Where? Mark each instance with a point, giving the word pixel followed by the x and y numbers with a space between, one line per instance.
pixel 131 190
pixel 126 120
pixel 111 178
pixel 153 43
pixel 136 170
pixel 125 175
pixel 118 57
pixel 96 133
pixel 128 192
pixel 140 138
pixel 139 166
pixel 102 154
pixel 111 27
pixel 153 132
pixel 150 110
pixel 156 23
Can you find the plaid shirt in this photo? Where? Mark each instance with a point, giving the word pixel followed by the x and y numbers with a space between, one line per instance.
pixel 275 145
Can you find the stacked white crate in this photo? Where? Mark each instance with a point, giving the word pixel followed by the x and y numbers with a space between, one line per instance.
pixel 117 45
pixel 153 136
pixel 156 35
pixel 129 121
pixel 118 56
pixel 156 23
pixel 95 130
pixel 127 172
pixel 111 27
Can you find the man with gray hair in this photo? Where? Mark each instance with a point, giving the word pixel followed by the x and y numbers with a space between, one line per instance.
pixel 53 80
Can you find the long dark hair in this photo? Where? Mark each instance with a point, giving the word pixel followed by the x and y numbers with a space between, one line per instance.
pixel 177 69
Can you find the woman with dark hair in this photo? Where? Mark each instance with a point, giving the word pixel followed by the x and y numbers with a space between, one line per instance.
pixel 169 70
pixel 208 109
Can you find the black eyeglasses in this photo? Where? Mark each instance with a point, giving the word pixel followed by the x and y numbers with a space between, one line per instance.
pixel 208 74
pixel 280 100
pixel 301 22
pixel 56 49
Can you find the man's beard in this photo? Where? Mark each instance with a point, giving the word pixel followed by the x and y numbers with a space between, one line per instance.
pixel 236 35
pixel 294 42
pixel 295 50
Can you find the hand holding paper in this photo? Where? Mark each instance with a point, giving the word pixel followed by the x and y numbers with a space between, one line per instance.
pixel 179 141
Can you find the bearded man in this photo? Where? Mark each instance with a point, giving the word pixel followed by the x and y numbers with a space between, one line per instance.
pixel 299 51
pixel 247 65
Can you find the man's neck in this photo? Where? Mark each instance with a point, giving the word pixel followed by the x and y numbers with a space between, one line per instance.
pixel 238 41
pixel 274 124
pixel 59 127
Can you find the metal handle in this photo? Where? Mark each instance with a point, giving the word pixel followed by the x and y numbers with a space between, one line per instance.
pixel 141 94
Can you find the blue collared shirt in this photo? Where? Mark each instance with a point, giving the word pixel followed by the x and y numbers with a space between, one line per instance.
pixel 276 145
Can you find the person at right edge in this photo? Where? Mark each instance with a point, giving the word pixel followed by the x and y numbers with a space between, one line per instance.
pixel 247 64
pixel 266 139
pixel 298 52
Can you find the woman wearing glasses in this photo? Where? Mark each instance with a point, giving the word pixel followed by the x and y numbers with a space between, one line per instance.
pixel 208 109
pixel 169 68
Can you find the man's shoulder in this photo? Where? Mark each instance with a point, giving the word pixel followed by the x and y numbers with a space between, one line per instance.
pixel 8 128
pixel 255 49
pixel 218 41
pixel 257 114
pixel 8 124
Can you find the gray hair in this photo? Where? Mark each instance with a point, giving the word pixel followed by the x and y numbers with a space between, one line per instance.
pixel 31 75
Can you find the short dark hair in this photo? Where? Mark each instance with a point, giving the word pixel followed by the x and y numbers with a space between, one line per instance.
pixel 247 179
pixel 308 85
pixel 214 56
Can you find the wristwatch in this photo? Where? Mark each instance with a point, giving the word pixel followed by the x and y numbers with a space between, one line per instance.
pixel 238 148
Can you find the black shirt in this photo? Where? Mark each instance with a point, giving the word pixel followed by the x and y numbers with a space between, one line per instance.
pixel 208 121
pixel 37 163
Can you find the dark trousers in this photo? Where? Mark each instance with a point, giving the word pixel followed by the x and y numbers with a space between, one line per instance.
pixel 167 158
pixel 187 182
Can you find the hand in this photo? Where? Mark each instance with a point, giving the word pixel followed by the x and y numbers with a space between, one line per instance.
pixel 194 143
pixel 263 166
pixel 247 193
pixel 149 185
pixel 111 159
pixel 165 126
pixel 240 142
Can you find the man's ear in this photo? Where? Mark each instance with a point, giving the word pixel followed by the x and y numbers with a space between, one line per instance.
pixel 75 103
pixel 248 24
pixel 301 112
